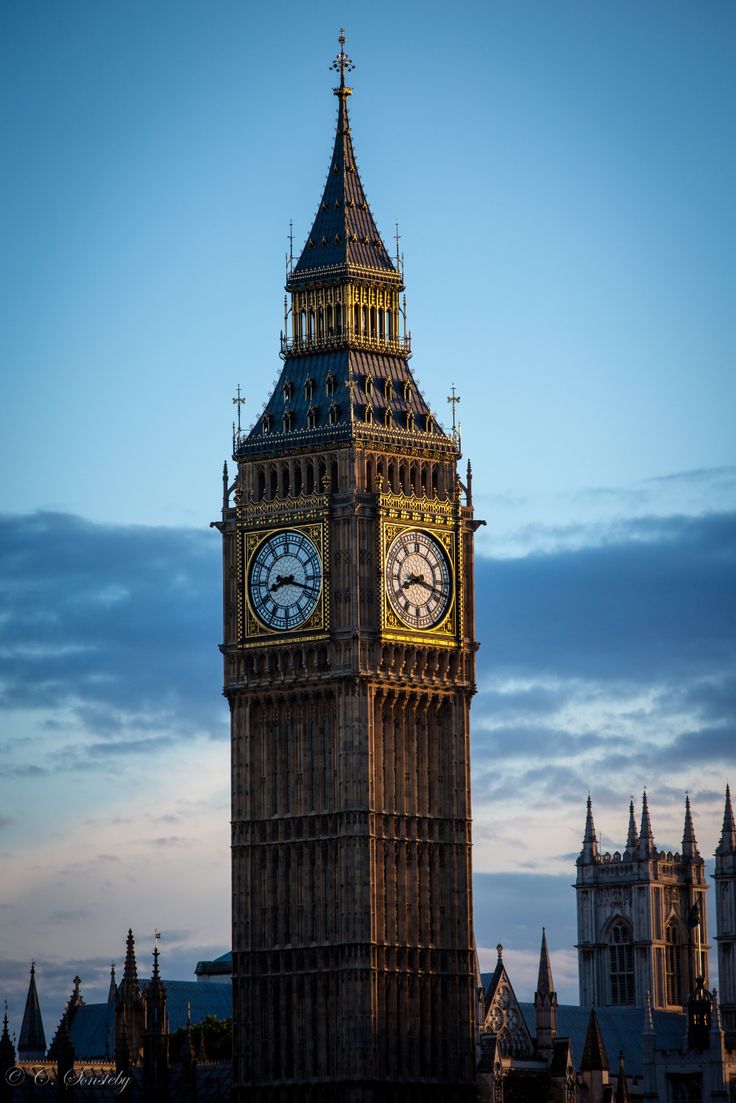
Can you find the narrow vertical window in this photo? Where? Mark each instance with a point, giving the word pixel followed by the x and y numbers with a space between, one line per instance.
pixel 621 956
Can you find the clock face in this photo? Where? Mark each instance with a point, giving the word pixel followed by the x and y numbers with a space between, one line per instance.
pixel 418 580
pixel 285 580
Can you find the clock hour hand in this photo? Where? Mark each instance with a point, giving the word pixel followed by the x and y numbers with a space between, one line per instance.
pixel 282 580
pixel 419 579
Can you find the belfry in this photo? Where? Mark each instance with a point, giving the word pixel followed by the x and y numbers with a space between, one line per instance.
pixel 349 667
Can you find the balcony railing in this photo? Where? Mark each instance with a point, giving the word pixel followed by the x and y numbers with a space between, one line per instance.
pixel 371 342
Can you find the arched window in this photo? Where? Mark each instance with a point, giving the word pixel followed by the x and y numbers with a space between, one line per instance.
pixel 365 320
pixel 356 318
pixel 621 954
pixel 330 384
pixel 373 321
pixel 311 417
pixel 309 388
pixel 673 968
pixel 329 320
pixel 338 318
pixel 389 327
pixel 311 326
pixel 320 323
pixel 333 413
pixel 287 421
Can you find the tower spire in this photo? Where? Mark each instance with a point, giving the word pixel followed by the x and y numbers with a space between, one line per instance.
pixel 113 989
pixel 589 853
pixel 646 847
pixel 689 842
pixel 632 839
pixel 545 981
pixel 727 844
pixel 130 985
pixel 32 1041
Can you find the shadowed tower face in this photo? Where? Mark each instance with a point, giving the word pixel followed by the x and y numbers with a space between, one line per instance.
pixel 642 924
pixel 349 669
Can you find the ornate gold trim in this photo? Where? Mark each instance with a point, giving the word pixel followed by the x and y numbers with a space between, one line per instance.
pixel 439 519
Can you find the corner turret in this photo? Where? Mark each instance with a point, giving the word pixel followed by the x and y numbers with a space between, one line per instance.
pixel 725 879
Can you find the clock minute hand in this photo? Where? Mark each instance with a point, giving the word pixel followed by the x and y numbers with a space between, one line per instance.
pixel 293 582
pixel 432 589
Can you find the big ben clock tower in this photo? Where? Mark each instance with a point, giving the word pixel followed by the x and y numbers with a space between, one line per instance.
pixel 349 669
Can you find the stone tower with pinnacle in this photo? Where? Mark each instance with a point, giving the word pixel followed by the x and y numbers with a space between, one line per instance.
pixel 642 925
pixel 349 659
pixel 725 878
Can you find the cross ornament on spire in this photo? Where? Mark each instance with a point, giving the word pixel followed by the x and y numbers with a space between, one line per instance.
pixel 239 401
pixel 453 399
pixel 342 65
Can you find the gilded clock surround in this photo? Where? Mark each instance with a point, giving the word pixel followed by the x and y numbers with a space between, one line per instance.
pixel 255 523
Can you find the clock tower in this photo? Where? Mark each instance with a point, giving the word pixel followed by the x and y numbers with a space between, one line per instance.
pixel 349 669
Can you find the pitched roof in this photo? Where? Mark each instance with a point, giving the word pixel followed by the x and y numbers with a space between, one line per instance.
pixel 594 1049
pixel 92 1029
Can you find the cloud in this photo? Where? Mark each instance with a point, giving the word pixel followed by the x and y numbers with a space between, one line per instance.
pixel 658 602
pixel 112 629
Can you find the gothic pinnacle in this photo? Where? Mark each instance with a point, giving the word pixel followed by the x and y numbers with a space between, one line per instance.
pixel 545 981
pixel 632 839
pixel 589 853
pixel 646 837
pixel 727 845
pixel 689 842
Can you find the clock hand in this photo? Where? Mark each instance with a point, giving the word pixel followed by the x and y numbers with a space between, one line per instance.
pixel 282 581
pixel 432 589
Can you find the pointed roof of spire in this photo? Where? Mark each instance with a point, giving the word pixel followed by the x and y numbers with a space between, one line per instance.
pixel 343 237
pixel 632 839
pixel 646 846
pixel 130 988
pixel 594 1057
pixel 727 845
pixel 622 1088
pixel 7 1049
pixel 589 853
pixel 545 981
pixel 113 989
pixel 32 1038
pixel 689 842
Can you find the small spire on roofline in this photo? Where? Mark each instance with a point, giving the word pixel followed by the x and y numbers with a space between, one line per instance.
pixel 589 853
pixel 689 842
pixel 632 839
pixel 646 835
pixel 727 844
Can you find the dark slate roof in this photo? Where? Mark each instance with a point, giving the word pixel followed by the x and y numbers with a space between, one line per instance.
pixel 92 1031
pixel 92 1022
pixel 621 1028
pixel 341 365
pixel 344 235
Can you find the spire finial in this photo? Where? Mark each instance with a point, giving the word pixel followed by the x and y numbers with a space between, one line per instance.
pixel 239 401
pixel 453 398
pixel 342 65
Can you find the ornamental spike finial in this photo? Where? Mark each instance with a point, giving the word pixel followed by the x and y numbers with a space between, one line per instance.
pixel 342 65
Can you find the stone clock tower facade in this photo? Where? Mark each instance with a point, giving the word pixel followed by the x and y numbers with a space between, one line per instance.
pixel 349 669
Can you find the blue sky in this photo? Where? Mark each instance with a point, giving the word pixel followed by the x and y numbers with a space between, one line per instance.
pixel 563 176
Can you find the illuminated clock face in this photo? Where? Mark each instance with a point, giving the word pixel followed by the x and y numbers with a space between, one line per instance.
pixel 285 580
pixel 418 580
